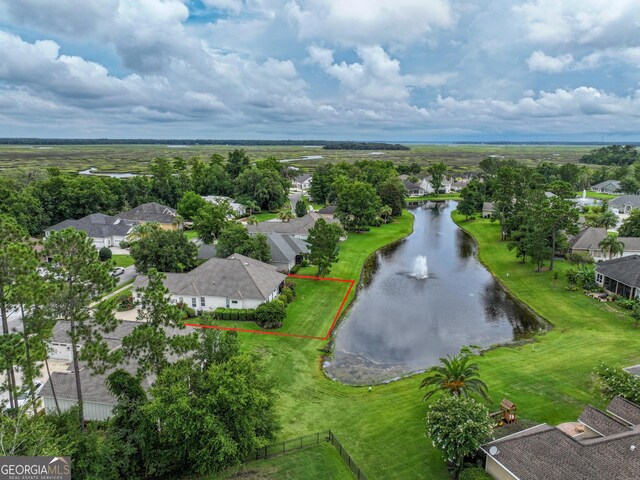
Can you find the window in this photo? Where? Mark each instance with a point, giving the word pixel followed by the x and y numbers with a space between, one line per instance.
pixel 202 302
pixel 194 302
pixel 599 278
pixel 234 302
pixel 180 300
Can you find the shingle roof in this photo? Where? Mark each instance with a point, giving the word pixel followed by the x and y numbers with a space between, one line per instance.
pixel 411 186
pixel 624 409
pixel 234 277
pixel 622 200
pixel 488 206
pixel 624 269
pixel 297 226
pixel 615 183
pixel 113 339
pixel 588 238
pixel 150 212
pixel 601 422
pixel 328 210
pixel 302 178
pixel 284 248
pixel 97 225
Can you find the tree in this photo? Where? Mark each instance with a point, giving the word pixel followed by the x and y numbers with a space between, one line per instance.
pixel 323 245
pixel 456 376
pixel 105 254
pixel 28 435
pixel 252 206
pixel 142 230
pixel 211 220
pixel 385 213
pixel 79 277
pixel 617 382
pixel 266 187
pixel 472 198
pixel 611 245
pixel 437 171
pixel 164 250
pixel 458 426
pixel 301 208
pixel 358 205
pixel 235 239
pixel 607 219
pixel 631 226
pixel 237 162
pixel 392 194
pixel 558 214
pixel 286 215
pixel 152 342
pixel 322 180
pixel 190 204
pixel 562 189
pixel 271 314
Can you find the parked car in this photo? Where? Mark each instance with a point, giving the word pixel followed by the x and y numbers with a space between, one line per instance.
pixel 117 272
pixel 24 397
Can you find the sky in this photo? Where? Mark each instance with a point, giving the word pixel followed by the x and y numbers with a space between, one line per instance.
pixel 391 70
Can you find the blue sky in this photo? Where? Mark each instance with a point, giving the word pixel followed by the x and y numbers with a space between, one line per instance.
pixel 321 69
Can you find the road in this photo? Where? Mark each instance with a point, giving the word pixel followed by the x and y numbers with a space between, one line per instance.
pixel 129 274
pixel 294 198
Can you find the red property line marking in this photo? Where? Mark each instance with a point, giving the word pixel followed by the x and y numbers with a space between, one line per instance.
pixel 295 335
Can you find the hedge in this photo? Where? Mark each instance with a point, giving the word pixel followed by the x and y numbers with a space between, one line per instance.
pixel 474 474
pixel 235 314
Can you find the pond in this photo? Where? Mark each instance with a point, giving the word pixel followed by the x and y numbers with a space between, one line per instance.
pixel 423 298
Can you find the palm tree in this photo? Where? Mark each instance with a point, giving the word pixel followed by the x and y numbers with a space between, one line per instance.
pixel 178 221
pixel 607 219
pixel 142 230
pixel 612 245
pixel 385 213
pixel 286 215
pixel 252 206
pixel 456 376
pixel 252 220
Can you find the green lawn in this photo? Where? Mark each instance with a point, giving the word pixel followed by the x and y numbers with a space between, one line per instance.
pixel 600 196
pixel 264 216
pixel 123 260
pixel 191 234
pixel 321 462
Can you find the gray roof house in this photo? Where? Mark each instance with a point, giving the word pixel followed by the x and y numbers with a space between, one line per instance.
pixel 412 189
pixel 624 204
pixel 302 182
pixel 233 282
pixel 600 445
pixel 608 186
pixel 328 211
pixel 237 208
pixel 152 212
pixel 286 250
pixel 488 208
pixel 104 230
pixel 589 238
pixel 298 227
pixel 620 276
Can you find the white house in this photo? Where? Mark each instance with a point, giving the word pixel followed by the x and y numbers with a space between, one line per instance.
pixel 302 182
pixel 104 230
pixel 239 209
pixel 427 185
pixel 608 186
pixel 233 282
pixel 298 227
pixel 412 189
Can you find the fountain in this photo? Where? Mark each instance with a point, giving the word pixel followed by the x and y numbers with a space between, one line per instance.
pixel 584 193
pixel 420 268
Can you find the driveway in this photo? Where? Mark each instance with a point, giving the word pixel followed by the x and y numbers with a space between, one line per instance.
pixel 294 198
pixel 129 274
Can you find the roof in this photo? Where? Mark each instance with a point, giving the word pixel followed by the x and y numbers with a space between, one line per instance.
pixel 624 409
pixel 217 199
pixel 615 183
pixel 622 200
pixel 634 370
pixel 285 248
pixel 97 225
pixel 296 226
pixel 411 186
pixel 114 339
pixel 302 178
pixel 206 251
pixel 624 269
pixel 236 276
pixel 488 206
pixel 328 210
pixel 547 453
pixel 588 238
pixel 150 212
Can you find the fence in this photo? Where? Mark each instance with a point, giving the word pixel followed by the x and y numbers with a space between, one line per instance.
pixel 300 443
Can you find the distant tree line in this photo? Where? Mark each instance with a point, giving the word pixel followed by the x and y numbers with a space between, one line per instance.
pixel 363 146
pixel 612 155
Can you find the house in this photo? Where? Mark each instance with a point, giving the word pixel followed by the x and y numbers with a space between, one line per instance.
pixel 620 276
pixel 302 182
pixel 458 185
pixel 624 204
pixel 238 209
pixel 427 185
pixel 298 227
pixel 412 189
pixel 588 241
pixel 286 250
pixel 608 186
pixel 233 282
pixel 328 212
pixel 488 209
pixel 152 212
pixel 600 445
pixel 103 230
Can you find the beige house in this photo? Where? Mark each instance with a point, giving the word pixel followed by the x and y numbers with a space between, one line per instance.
pixel 152 212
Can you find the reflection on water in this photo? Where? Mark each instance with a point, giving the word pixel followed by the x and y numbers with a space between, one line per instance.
pixel 400 323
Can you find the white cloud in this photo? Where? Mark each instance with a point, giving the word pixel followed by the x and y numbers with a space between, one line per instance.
pixel 365 22
pixel 539 62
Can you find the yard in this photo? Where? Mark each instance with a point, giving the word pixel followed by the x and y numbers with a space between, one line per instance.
pixel 123 260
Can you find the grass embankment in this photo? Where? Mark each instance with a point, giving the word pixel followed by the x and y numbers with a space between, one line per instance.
pixel 322 462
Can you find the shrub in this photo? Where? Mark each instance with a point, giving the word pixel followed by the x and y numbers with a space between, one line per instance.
pixel 125 301
pixel 295 269
pixel 583 277
pixel 474 474
pixel 124 244
pixel 304 263
pixel 579 258
pixel 187 312
pixel 271 314
pixel 235 314
pixel 627 303
pixel 617 382
pixel 288 294
pixel 291 285
pixel 105 254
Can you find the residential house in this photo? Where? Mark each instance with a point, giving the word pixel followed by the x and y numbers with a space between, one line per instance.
pixel 600 445
pixel 620 276
pixel 328 212
pixel 298 227
pixel 427 185
pixel 286 250
pixel 238 209
pixel 233 282
pixel 458 185
pixel 588 241
pixel 488 209
pixel 623 204
pixel 302 182
pixel 152 212
pixel 608 186
pixel 412 189
pixel 103 230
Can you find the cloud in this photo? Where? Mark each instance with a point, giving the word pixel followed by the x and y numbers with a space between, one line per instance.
pixel 539 62
pixel 363 22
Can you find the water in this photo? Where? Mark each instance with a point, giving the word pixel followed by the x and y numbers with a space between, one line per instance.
pixel 410 313
pixel 91 171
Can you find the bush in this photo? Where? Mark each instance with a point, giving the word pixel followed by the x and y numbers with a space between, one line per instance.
pixel 288 294
pixel 124 244
pixel 105 254
pixel 579 258
pixel 583 277
pixel 187 312
pixel 125 301
pixel 617 382
pixel 474 474
pixel 291 285
pixel 295 269
pixel 271 314
pixel 235 314
pixel 304 263
pixel 626 303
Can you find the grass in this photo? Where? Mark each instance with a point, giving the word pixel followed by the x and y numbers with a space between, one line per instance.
pixel 599 196
pixel 191 234
pixel 123 260
pixel 440 196
pixel 321 462
pixel 264 216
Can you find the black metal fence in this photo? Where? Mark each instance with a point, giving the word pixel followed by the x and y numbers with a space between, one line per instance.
pixel 307 441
